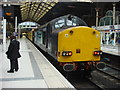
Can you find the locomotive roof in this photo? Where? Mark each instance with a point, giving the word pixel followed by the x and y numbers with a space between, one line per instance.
pixel 61 17
pixel 65 16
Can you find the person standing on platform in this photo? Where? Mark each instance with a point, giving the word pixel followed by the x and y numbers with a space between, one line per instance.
pixel 13 54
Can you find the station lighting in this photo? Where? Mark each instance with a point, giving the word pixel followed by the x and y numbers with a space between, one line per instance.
pixel 36 10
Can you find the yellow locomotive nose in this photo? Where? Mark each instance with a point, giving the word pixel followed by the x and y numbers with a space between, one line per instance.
pixel 80 42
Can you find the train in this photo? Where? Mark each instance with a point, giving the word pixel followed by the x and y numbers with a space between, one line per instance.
pixel 71 43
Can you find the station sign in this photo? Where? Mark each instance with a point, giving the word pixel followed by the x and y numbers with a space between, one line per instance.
pixel 8 12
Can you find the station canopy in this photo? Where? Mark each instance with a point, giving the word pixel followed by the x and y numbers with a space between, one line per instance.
pixel 36 9
pixel 42 11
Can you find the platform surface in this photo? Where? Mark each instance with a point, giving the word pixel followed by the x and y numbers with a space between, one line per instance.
pixel 35 71
pixel 114 50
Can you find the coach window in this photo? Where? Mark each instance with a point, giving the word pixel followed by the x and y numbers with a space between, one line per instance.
pixel 40 37
pixel 44 36
pixel 60 23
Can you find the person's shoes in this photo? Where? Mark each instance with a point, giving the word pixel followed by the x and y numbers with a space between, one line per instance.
pixel 16 70
pixel 10 71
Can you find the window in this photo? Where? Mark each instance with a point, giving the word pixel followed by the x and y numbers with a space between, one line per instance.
pixel 44 40
pixel 75 21
pixel 44 36
pixel 60 23
pixel 39 36
pixel 68 21
pixel 71 22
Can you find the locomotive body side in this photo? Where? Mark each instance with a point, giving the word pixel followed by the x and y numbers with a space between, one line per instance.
pixel 40 38
pixel 73 45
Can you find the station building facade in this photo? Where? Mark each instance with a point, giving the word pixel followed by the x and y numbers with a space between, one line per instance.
pixel 110 34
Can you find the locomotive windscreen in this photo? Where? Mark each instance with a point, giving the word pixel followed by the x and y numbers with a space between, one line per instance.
pixel 68 21
pixel 74 21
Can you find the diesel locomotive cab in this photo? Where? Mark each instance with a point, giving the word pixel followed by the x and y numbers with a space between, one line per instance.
pixel 69 40
pixel 75 44
pixel 67 22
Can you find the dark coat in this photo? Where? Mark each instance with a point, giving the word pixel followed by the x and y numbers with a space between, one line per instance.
pixel 13 50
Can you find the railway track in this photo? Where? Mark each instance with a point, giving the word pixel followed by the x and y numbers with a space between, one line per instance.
pixel 95 82
pixel 106 78
pixel 74 78
pixel 81 82
pixel 113 60
pixel 111 71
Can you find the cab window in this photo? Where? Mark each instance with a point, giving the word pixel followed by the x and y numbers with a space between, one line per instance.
pixel 75 21
pixel 60 23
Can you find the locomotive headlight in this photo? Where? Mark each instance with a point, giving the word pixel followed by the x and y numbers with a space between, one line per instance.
pixel 63 53
pixel 97 52
pixel 70 53
pixel 66 53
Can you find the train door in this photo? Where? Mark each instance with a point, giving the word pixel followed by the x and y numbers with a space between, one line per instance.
pixel 48 41
pixel 39 37
pixel 44 37
pixel 33 36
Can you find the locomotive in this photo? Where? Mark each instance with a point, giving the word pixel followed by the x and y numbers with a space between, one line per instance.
pixel 69 40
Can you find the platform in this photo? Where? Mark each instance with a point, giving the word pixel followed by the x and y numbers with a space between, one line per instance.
pixel 114 50
pixel 35 71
